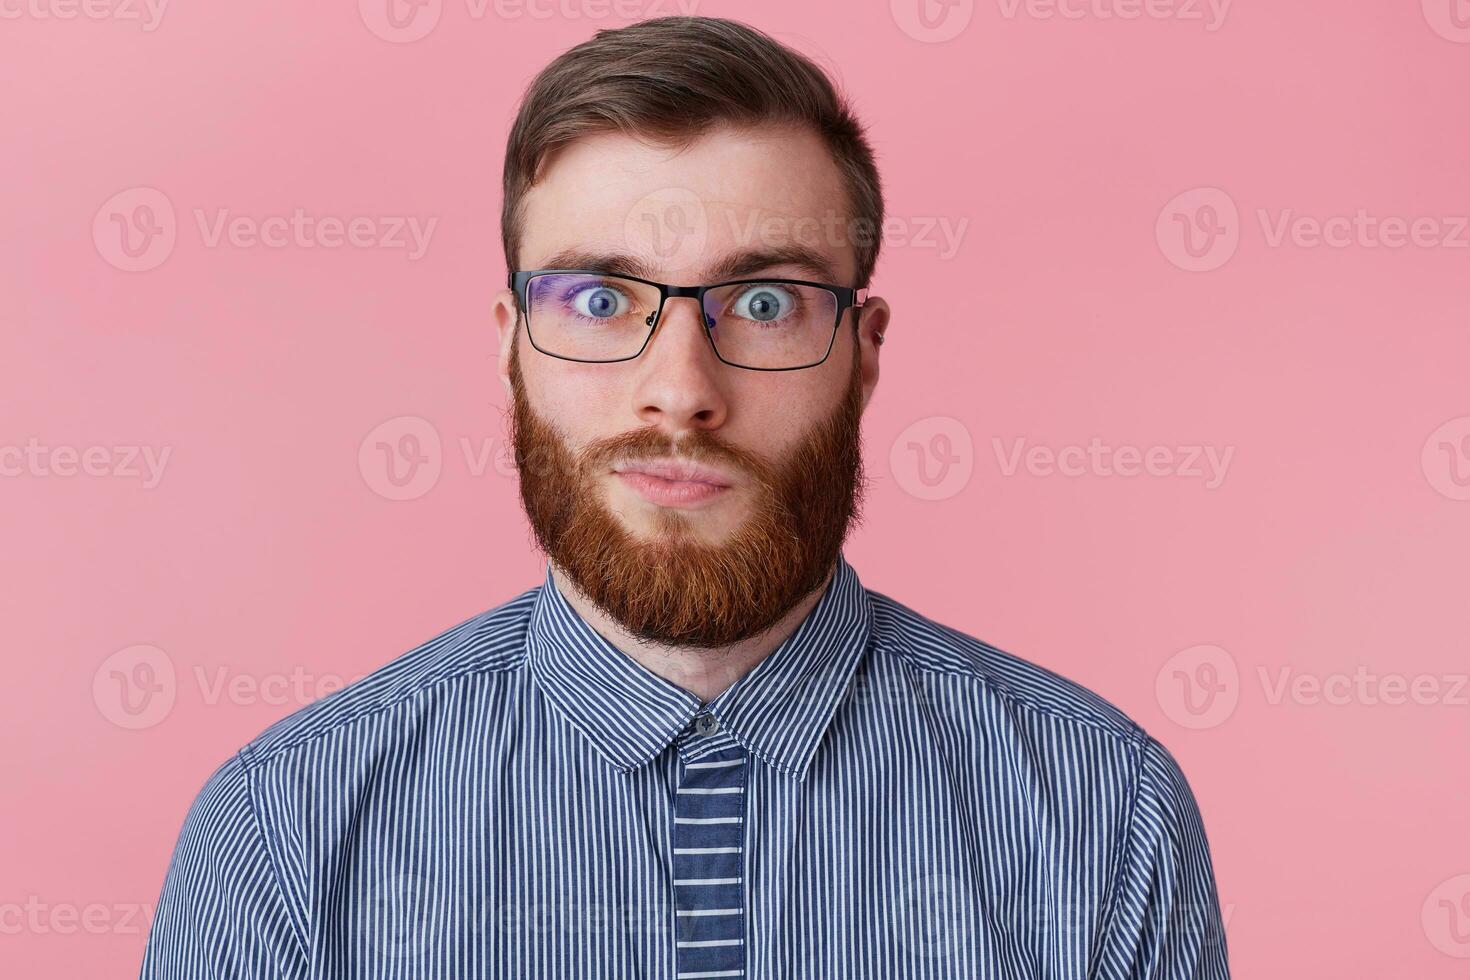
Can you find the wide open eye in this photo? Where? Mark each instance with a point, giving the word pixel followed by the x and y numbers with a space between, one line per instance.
pixel 600 301
pixel 765 302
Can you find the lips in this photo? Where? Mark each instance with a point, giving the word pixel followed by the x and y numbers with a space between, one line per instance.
pixel 677 471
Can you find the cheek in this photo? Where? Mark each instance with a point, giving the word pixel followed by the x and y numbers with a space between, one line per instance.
pixel 773 415
pixel 583 403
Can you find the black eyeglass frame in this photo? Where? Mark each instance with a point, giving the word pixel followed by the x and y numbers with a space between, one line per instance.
pixel 847 297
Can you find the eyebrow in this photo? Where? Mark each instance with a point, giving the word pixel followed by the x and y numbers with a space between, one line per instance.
pixel 735 265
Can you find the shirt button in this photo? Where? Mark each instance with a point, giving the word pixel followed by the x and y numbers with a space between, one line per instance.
pixel 706 724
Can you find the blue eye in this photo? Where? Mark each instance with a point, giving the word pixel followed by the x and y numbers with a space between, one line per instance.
pixel 764 303
pixel 600 302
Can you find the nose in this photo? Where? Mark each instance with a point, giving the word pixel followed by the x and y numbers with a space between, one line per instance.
pixel 679 376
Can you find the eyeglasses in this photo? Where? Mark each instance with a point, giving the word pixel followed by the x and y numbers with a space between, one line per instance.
pixel 759 324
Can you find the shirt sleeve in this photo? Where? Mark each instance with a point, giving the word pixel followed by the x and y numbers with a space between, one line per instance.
pixel 222 915
pixel 1165 922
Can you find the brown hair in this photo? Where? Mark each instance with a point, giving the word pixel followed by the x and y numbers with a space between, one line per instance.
pixel 668 80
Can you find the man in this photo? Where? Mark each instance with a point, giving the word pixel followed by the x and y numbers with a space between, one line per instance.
pixel 700 748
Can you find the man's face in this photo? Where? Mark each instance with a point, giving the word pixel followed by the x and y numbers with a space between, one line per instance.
pixel 690 563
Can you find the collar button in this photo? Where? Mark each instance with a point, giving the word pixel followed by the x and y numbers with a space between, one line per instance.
pixel 706 724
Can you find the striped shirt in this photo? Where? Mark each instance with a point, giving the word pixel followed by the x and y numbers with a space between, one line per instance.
pixel 881 797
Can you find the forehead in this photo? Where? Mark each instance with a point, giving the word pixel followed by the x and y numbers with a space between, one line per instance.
pixel 681 213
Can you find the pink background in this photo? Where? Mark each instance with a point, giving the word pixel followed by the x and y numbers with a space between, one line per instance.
pixel 268 561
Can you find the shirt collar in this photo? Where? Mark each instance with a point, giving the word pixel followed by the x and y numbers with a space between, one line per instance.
pixel 779 710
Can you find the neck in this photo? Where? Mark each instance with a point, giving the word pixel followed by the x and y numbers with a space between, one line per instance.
pixel 704 672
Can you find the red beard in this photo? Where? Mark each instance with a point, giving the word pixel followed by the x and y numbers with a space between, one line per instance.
pixel 672 588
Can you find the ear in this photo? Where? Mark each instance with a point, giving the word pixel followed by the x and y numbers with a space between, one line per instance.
pixel 872 326
pixel 503 310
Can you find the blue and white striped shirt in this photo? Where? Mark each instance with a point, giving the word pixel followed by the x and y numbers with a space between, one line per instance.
pixel 882 796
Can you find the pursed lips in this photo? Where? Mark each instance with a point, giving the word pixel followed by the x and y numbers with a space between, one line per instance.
pixel 676 471
pixel 674 483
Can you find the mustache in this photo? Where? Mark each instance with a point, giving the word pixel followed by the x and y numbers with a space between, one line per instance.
pixel 696 446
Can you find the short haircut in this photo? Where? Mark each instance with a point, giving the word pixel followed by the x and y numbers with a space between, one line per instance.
pixel 667 81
